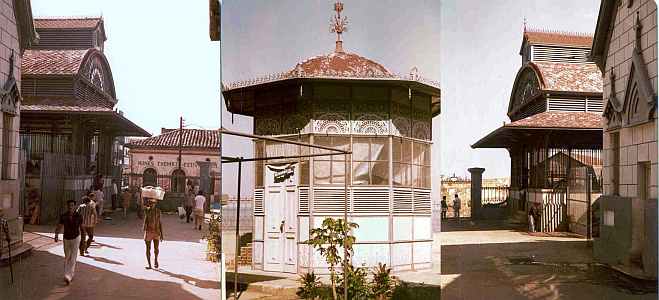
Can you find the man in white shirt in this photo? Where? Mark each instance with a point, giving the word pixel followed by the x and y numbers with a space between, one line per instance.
pixel 199 202
pixel 99 203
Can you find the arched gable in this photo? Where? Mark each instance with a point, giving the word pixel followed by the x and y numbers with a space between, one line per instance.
pixel 96 70
pixel 527 86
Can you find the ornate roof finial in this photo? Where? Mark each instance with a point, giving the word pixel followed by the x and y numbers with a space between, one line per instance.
pixel 338 25
pixel 524 24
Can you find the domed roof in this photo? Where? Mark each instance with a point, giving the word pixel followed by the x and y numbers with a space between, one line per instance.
pixel 340 64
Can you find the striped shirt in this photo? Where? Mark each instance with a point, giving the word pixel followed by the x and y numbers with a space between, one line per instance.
pixel 87 211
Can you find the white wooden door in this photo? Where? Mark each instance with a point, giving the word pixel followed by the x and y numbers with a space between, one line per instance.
pixel 280 249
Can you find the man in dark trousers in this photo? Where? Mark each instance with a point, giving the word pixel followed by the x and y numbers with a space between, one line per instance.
pixel 71 221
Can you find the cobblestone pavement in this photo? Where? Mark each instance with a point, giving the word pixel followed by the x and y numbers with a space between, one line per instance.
pixel 114 268
pixel 492 260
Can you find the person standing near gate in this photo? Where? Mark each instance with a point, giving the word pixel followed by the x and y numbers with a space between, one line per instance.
pixel 200 201
pixel 444 207
pixel 152 231
pixel 456 207
pixel 531 218
pixel 125 200
pixel 71 221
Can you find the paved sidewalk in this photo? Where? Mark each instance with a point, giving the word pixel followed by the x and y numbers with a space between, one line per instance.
pixel 114 268
pixel 492 260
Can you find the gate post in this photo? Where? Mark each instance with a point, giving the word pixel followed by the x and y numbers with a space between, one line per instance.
pixel 476 190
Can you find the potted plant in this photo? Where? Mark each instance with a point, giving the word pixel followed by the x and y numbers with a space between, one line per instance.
pixel 213 238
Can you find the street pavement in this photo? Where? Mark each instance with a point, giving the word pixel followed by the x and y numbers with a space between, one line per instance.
pixel 494 260
pixel 115 267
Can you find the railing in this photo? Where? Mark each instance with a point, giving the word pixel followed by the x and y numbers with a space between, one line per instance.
pixel 494 195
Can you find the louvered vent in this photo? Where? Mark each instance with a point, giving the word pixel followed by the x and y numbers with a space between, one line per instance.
pixel 370 200
pixel 560 54
pixel 258 202
pixel 595 105
pixel 421 201
pixel 303 208
pixel 329 200
pixel 567 105
pixel 403 201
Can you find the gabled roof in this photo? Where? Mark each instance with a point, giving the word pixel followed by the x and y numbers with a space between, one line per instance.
pixel 191 138
pixel 52 62
pixel 569 77
pixel 558 38
pixel 67 22
pixel 603 31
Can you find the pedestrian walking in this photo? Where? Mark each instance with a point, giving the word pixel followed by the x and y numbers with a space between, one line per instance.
pixel 152 231
pixel 71 221
pixel 139 202
pixel 114 195
pixel 456 207
pixel 444 207
pixel 189 204
pixel 99 202
pixel 87 211
pixel 200 201
pixel 125 200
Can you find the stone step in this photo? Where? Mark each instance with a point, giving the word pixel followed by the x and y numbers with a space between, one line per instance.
pixel 279 288
pixel 17 250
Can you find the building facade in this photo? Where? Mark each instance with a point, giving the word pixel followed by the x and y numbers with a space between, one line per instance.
pixel 341 100
pixel 69 123
pixel 625 49
pixel 555 134
pixel 18 34
pixel 154 161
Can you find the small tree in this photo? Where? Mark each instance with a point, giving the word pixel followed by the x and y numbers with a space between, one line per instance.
pixel 383 284
pixel 328 240
pixel 213 238
pixel 310 286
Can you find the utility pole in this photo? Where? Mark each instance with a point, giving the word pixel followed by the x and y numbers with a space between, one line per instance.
pixel 180 150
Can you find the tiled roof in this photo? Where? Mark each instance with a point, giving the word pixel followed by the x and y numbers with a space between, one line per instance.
pixel 52 62
pixel 89 104
pixel 341 64
pixel 558 38
pixel 570 77
pixel 192 138
pixel 66 22
pixel 560 120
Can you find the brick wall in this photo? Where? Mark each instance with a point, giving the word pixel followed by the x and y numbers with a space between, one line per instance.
pixel 637 143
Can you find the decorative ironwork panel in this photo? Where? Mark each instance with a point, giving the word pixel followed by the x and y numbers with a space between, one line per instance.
pixel 336 122
pixel 267 125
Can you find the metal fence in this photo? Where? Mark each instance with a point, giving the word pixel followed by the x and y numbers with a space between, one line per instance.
pixel 494 195
pixel 246 214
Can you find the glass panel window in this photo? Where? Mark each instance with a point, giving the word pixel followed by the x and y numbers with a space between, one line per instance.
pixel 379 173
pixel 360 171
pixel 360 149
pixel 322 172
pixel 7 145
pixel 304 173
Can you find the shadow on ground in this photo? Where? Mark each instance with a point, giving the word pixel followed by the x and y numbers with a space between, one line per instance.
pixel 40 277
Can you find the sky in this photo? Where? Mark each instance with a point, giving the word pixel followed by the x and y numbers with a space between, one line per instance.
pixel 162 60
pixel 265 37
pixel 480 43
pixel 165 66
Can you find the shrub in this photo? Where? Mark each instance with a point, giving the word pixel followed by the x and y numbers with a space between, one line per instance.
pixel 358 286
pixel 310 288
pixel 382 284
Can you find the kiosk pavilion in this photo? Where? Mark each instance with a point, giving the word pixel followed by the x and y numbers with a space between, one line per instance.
pixel 345 101
pixel 555 134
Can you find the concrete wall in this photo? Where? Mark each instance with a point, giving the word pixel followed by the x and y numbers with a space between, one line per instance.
pixel 9 189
